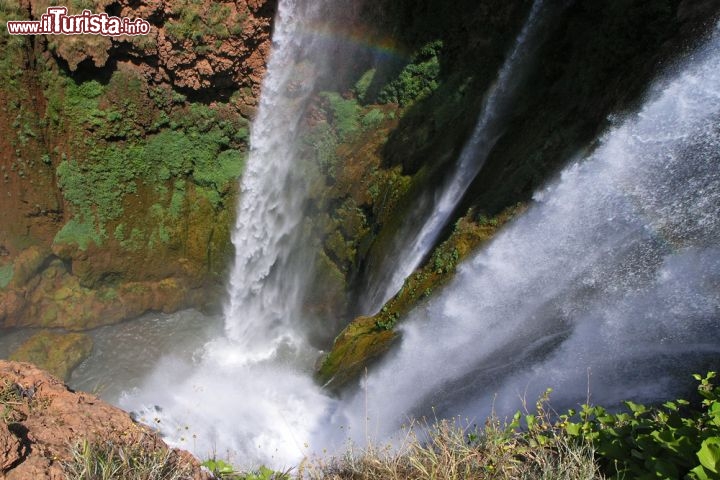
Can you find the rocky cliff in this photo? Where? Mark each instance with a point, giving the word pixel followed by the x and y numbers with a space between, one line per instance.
pixel 47 430
pixel 119 158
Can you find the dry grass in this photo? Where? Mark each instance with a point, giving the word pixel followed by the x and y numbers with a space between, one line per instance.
pixel 446 450
pixel 106 461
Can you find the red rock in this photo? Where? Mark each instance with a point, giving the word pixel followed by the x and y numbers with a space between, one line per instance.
pixel 10 448
pixel 47 419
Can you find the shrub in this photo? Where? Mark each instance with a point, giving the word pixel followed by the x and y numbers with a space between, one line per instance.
pixel 671 440
pixel 224 471
pixel 417 80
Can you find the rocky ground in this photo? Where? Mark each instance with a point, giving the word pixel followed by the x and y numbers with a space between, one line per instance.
pixel 42 420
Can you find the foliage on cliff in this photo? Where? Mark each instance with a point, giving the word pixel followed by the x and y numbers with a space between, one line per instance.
pixel 120 170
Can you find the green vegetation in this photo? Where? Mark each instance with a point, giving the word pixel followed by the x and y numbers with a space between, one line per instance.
pixel 344 114
pixel 449 450
pixel 107 461
pixel 16 401
pixel 363 84
pixel 6 275
pixel 368 337
pixel 417 80
pixel 672 440
pixel 80 233
pixel 194 20
pixel 58 353
pixel 224 471
pixel 124 144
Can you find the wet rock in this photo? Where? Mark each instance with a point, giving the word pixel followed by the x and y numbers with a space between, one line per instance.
pixel 58 353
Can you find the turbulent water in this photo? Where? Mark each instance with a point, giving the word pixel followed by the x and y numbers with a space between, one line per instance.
pixel 424 225
pixel 609 284
pixel 249 396
pixel 612 275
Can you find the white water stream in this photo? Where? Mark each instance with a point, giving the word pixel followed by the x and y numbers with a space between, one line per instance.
pixel 421 229
pixel 249 397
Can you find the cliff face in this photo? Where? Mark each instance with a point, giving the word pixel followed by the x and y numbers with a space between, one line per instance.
pixel 119 159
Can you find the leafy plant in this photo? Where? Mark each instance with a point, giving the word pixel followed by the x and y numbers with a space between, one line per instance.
pixel 223 470
pixel 417 80
pixel 671 440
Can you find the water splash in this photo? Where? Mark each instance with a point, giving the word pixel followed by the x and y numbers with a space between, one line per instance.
pixel 424 225
pixel 613 273
pixel 249 396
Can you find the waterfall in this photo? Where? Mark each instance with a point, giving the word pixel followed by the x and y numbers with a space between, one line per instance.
pixel 264 286
pixel 249 397
pixel 610 283
pixel 433 212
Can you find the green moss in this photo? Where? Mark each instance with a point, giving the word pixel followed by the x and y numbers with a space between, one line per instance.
pixel 367 337
pixel 193 20
pixel 177 200
pixel 163 234
pixel 119 233
pixel 363 84
pixel 96 187
pixel 225 168
pixel 344 114
pixel 55 352
pixel 135 242
pixel 6 275
pixel 205 145
pixel 79 233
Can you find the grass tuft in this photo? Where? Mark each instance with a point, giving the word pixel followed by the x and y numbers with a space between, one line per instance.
pixel 105 461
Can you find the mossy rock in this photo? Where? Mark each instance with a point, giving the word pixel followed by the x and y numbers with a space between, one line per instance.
pixel 58 353
pixel 367 338
pixel 360 342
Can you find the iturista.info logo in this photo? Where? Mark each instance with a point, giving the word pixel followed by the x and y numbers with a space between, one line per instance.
pixel 56 21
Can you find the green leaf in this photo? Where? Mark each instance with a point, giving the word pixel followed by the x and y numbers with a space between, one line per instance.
pixel 573 429
pixel 709 454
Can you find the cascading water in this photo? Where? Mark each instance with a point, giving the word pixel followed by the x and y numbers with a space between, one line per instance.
pixel 251 394
pixel 613 276
pixel 433 211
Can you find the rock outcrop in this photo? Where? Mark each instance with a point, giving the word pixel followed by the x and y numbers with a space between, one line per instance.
pixel 89 236
pixel 43 421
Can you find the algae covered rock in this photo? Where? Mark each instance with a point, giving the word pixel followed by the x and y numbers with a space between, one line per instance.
pixel 58 353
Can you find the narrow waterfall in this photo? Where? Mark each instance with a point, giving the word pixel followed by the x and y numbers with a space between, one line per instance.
pixel 423 226
pixel 250 397
pixel 610 283
pixel 265 281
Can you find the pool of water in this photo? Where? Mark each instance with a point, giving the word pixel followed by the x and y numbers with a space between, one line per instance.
pixel 125 353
